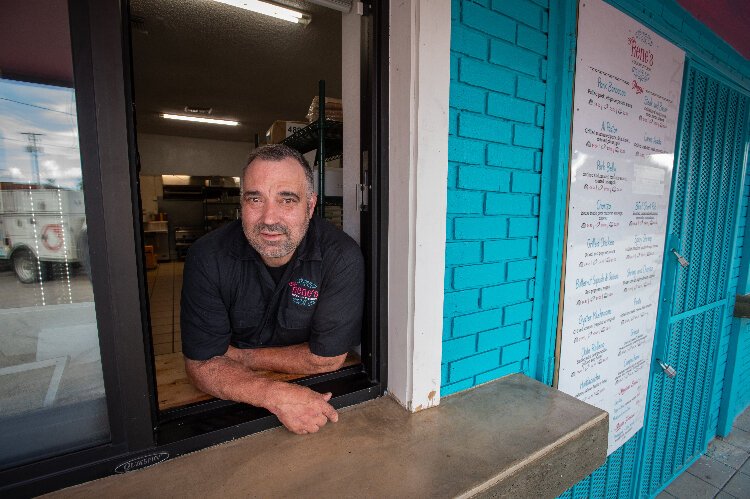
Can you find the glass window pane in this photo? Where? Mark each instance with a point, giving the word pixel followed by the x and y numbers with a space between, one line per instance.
pixel 52 397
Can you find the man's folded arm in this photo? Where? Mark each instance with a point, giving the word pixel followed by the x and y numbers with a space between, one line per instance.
pixel 224 378
pixel 293 359
pixel 298 408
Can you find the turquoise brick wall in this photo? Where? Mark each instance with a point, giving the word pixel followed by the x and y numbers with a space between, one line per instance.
pixel 497 96
pixel 743 370
pixel 733 387
pixel 497 113
pixel 741 366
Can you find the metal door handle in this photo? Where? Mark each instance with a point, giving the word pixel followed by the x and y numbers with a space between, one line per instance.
pixel 363 189
pixel 361 196
pixel 681 259
pixel 668 370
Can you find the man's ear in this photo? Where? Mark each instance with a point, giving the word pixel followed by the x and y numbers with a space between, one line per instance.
pixel 311 205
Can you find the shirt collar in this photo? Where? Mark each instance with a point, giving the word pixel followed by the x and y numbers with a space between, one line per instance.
pixel 309 247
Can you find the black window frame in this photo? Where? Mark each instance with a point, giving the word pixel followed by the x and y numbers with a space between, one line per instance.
pixel 100 91
pixel 103 85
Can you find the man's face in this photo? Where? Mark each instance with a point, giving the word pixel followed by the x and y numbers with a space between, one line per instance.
pixel 276 208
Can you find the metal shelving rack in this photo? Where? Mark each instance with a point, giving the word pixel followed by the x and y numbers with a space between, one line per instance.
pixel 218 209
pixel 325 136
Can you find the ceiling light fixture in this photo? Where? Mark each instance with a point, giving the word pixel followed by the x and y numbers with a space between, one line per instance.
pixel 197 119
pixel 270 9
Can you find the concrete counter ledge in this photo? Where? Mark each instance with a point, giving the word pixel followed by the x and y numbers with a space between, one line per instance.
pixel 513 437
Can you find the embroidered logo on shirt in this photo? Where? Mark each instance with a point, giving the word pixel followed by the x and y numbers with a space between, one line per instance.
pixel 304 292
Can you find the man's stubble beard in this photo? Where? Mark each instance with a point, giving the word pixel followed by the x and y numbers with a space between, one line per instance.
pixel 273 250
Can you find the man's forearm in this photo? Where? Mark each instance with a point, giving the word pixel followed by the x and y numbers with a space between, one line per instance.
pixel 293 359
pixel 228 379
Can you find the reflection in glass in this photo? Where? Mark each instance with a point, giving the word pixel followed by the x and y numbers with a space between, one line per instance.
pixel 51 385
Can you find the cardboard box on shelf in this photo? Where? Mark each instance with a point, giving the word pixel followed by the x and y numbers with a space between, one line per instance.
pixel 334 109
pixel 282 129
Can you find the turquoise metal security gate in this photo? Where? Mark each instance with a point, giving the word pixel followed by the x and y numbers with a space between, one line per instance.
pixel 694 297
pixel 695 293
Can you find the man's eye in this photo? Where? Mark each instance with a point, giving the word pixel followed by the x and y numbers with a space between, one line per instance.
pixel 288 200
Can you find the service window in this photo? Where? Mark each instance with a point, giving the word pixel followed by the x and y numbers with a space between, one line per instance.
pixel 212 82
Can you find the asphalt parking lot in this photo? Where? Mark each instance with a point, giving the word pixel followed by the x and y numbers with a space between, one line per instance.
pixel 67 285
pixel 49 348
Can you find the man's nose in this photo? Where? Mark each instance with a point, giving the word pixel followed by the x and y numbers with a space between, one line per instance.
pixel 270 213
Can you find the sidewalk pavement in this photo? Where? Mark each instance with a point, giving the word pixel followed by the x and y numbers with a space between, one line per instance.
pixel 723 472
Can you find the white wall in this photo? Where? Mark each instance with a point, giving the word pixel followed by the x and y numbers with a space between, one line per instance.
pixel 418 169
pixel 167 154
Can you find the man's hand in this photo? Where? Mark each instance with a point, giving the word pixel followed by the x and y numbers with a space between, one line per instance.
pixel 301 409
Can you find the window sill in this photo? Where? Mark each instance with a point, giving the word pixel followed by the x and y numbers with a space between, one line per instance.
pixel 512 437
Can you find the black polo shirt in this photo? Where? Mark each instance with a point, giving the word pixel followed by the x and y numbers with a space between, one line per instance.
pixel 229 297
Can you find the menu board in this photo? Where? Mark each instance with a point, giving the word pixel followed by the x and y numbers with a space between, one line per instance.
pixel 626 103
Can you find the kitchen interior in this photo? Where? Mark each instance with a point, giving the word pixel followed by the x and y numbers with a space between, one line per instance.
pixel 212 81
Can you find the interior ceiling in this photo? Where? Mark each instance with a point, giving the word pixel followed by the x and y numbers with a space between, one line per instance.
pixel 243 65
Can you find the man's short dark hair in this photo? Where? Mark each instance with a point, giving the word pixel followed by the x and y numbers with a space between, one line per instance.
pixel 279 152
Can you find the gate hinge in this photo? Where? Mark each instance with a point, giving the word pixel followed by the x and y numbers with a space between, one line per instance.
pixel 680 259
pixel 668 370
